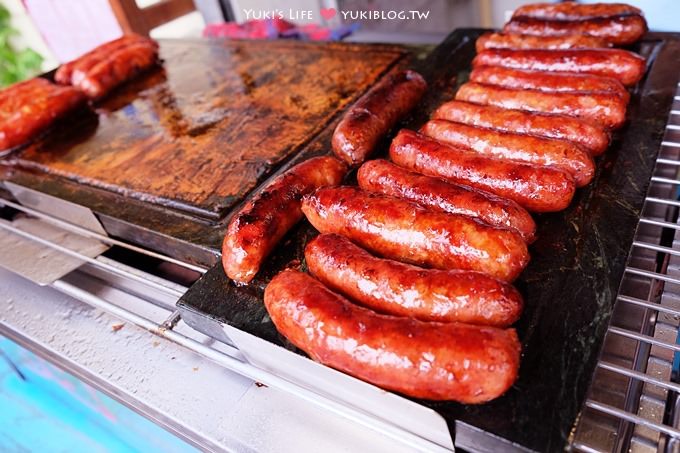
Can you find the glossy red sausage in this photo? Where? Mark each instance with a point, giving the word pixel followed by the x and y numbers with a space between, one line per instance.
pixel 623 65
pixel 586 134
pixel 606 110
pixel 384 177
pixel 256 229
pixel 119 67
pixel 540 151
pixel 521 79
pixel 437 361
pixel 28 109
pixel 618 30
pixel 575 11
pixel 405 231
pixel 400 289
pixel 65 73
pixel 536 189
pixel 510 41
pixel 374 114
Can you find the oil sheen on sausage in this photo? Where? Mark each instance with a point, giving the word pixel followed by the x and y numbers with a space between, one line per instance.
pixel 606 110
pixel 436 361
pixel 256 229
pixel 374 114
pixel 384 177
pixel 589 135
pixel 399 289
pixel 566 156
pixel 511 41
pixel 405 231
pixel 575 11
pixel 536 189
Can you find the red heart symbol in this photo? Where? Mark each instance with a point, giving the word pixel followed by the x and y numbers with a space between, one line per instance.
pixel 328 13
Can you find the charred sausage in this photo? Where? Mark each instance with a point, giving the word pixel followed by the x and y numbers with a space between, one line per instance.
pixel 510 41
pixel 521 79
pixel 575 11
pixel 437 361
pixel 604 109
pixel 405 231
pixel 400 289
pixel 536 189
pixel 623 65
pixel 566 156
pixel 374 114
pixel 586 134
pixel 617 30
pixel 256 229
pixel 384 177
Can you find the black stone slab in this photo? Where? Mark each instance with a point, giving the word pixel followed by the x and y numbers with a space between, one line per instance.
pixel 569 286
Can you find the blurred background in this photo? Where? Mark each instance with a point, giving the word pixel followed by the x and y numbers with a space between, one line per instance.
pixel 37 35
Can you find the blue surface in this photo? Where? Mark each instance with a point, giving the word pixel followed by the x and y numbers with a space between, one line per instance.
pixel 52 411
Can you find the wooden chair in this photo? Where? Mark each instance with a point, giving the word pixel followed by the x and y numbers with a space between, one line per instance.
pixel 134 19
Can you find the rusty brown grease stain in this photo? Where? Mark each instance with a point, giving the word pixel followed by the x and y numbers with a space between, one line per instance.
pixel 212 122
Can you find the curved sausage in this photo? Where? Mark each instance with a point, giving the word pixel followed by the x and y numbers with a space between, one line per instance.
pixel 536 189
pixel 540 151
pixel 604 109
pixel 586 134
pixel 256 229
pixel 521 79
pixel 623 65
pixel 400 289
pixel 374 114
pixel 575 11
pixel 384 177
pixel 436 361
pixel 119 67
pixel 510 41
pixel 617 30
pixel 405 231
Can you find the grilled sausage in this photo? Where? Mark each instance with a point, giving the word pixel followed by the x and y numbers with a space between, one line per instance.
pixel 29 108
pixel 521 79
pixel 617 30
pixel 374 114
pixel 119 67
pixel 586 134
pixel 82 64
pixel 384 177
pixel 536 189
pixel 436 361
pixel 509 41
pixel 623 65
pixel 256 229
pixel 566 156
pixel 604 109
pixel 400 289
pixel 405 231
pixel 575 11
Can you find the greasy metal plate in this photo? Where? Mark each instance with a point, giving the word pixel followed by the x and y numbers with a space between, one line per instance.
pixel 569 286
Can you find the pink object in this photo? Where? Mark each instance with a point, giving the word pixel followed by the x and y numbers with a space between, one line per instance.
pixel 71 28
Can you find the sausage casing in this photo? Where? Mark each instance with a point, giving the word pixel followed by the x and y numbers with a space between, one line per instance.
pixel 521 79
pixel 511 41
pixel 575 11
pixel 536 189
pixel 437 361
pixel 384 177
pixel 400 289
pixel 620 64
pixel 607 110
pixel 617 30
pixel 586 134
pixel 566 156
pixel 405 231
pixel 256 229
pixel 374 114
